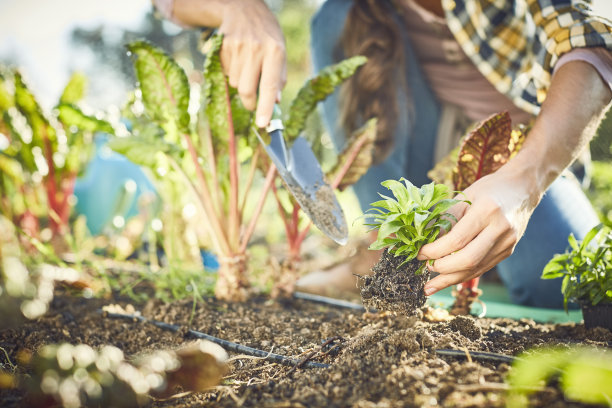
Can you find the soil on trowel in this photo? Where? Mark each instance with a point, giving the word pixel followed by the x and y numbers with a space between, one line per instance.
pixel 395 287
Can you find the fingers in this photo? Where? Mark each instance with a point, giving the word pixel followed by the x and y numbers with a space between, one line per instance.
pixel 465 230
pixel 273 75
pixel 490 247
pixel 258 72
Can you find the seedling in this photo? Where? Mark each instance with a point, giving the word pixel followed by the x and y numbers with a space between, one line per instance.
pixel 586 268
pixel 413 218
pixel 44 151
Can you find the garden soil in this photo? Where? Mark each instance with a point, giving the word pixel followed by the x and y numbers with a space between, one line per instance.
pixel 383 359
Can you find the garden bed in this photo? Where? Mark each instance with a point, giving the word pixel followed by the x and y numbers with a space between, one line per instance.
pixel 383 360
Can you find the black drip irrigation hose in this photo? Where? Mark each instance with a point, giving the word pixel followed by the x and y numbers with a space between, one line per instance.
pixel 329 301
pixel 477 355
pixel 227 345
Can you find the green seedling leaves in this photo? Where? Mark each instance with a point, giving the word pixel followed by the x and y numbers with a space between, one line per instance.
pixel 316 90
pixel 164 87
pixel 584 373
pixel 415 217
pixel 586 268
pixel 75 89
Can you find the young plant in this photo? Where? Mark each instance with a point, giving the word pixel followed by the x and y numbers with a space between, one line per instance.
pixel 483 151
pixel 584 374
pixel 415 217
pixel 586 269
pixel 44 152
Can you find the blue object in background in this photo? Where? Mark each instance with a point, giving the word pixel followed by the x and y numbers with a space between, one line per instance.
pixel 211 264
pixel 108 179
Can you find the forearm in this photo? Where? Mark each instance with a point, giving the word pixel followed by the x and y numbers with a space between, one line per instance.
pixel 573 109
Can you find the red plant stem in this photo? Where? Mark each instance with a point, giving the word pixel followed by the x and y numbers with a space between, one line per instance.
pixel 262 199
pixel 207 201
pixel 250 178
pixel 348 163
pixel 63 209
pixel 472 284
pixel 212 162
pixel 234 215
pixel 284 217
pixel 51 183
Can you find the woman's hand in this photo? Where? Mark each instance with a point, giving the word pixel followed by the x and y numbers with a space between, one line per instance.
pixel 253 52
pixel 486 232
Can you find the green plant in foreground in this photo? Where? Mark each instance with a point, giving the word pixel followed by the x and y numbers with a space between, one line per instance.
pixel 586 269
pixel 584 374
pixel 414 218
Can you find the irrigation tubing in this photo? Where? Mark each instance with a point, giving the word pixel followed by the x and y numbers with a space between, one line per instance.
pixel 477 355
pixel 228 345
pixel 329 301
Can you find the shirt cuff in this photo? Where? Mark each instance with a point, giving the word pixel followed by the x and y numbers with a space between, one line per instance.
pixel 600 58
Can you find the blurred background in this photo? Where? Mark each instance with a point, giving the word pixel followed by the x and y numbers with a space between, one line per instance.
pixel 49 40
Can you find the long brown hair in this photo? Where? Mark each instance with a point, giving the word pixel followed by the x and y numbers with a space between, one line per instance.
pixel 371 30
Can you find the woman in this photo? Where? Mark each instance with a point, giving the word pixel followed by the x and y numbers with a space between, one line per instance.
pixel 431 60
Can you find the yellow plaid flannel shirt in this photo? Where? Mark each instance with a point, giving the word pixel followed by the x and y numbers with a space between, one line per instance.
pixel 516 43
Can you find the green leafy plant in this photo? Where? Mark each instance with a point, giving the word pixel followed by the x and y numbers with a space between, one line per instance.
pixel 44 152
pixel 214 153
pixel 415 217
pixel 586 268
pixel 584 374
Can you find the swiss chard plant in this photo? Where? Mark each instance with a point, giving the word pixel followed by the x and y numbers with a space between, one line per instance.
pixel 44 153
pixel 412 218
pixel 586 268
pixel 213 149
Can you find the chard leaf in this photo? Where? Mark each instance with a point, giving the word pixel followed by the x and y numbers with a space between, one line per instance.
pixel 142 150
pixel 70 116
pixel 75 89
pixel 357 155
pixel 164 87
pixel 30 109
pixel 316 90
pixel 6 99
pixel 484 150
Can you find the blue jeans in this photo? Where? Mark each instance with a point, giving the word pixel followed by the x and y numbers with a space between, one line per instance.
pixel 563 210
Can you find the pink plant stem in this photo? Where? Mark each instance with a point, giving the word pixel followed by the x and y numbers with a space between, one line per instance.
pixel 234 214
pixel 250 178
pixel 284 217
pixel 51 184
pixel 262 199
pixel 472 285
pixel 213 218
pixel 212 166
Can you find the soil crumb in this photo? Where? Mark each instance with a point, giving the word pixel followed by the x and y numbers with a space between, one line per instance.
pixel 394 287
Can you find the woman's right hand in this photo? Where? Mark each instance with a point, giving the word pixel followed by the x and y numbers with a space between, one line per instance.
pixel 253 52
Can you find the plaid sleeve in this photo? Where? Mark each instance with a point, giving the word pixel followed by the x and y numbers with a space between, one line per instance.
pixel 516 43
pixel 563 25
